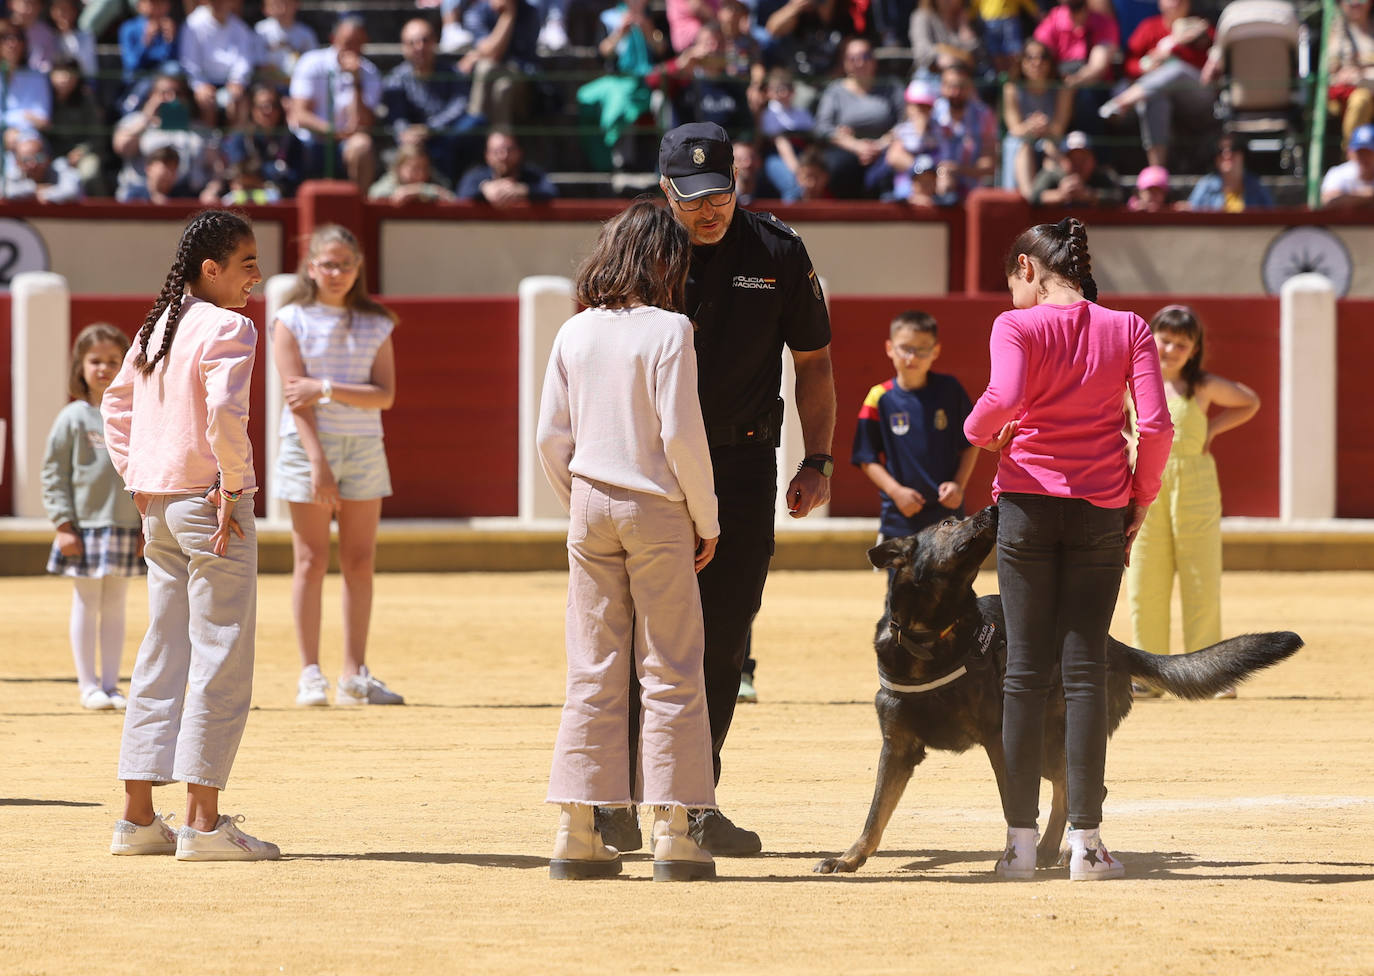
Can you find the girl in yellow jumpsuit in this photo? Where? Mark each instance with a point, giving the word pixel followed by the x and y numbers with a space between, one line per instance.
pixel 1182 531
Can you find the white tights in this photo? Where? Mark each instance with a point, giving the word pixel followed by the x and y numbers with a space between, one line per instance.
pixel 98 607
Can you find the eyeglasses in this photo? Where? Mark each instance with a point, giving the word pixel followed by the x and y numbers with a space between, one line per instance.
pixel 716 200
pixel 911 352
pixel 334 267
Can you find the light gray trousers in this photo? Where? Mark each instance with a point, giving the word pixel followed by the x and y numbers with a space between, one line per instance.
pixel 193 679
pixel 633 602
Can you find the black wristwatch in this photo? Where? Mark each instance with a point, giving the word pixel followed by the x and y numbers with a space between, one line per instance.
pixel 823 463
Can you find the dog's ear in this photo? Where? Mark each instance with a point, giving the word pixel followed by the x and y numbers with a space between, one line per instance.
pixel 892 554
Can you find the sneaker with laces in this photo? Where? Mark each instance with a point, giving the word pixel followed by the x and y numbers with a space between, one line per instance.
pixel 312 688
pixel 225 843
pixel 716 833
pixel 117 700
pixel 96 700
pixel 153 838
pixel 365 689
pixel 747 694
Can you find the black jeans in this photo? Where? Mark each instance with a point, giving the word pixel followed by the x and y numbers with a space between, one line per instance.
pixel 732 584
pixel 1059 564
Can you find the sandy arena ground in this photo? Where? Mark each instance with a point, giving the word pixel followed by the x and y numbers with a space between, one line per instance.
pixel 416 841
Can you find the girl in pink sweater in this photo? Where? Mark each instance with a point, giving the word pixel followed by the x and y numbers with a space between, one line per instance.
pixel 176 427
pixel 1069 504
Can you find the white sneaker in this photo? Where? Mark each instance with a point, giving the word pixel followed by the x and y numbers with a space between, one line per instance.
pixel 313 687
pixel 225 843
pixel 96 700
pixel 1089 859
pixel 365 689
pixel 117 700
pixel 1017 863
pixel 153 838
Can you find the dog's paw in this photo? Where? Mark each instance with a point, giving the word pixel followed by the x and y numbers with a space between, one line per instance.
pixel 835 865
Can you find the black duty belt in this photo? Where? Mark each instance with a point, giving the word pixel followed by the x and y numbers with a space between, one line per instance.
pixel 765 429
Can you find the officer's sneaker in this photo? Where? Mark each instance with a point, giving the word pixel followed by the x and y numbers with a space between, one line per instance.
pixel 364 688
pixel 225 843
pixel 153 838
pixel 619 828
pixel 747 694
pixel 715 832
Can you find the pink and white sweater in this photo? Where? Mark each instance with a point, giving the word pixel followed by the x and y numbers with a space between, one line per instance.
pixel 177 428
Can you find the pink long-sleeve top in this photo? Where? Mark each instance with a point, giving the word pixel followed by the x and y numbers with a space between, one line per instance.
pixel 174 430
pixel 1063 372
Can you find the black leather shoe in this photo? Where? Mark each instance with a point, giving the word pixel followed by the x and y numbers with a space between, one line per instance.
pixel 619 828
pixel 715 832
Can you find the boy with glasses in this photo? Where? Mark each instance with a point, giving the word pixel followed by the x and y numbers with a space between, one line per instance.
pixel 910 436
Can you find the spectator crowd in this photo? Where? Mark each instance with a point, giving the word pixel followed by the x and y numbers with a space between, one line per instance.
pixel 919 101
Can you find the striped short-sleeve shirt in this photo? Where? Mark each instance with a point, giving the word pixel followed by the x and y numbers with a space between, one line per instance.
pixel 339 351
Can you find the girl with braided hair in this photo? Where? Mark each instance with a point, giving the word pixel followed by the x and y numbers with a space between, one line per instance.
pixel 176 428
pixel 1069 505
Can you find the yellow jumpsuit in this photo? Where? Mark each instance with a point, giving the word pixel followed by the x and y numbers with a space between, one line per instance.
pixel 1181 535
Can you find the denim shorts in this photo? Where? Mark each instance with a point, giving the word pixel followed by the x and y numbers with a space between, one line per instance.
pixel 359 466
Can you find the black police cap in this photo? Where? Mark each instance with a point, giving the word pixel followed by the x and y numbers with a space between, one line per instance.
pixel 697 159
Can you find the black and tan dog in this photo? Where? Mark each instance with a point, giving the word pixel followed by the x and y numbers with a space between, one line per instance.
pixel 941 656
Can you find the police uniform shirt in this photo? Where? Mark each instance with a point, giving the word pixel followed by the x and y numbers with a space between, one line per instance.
pixel 918 436
pixel 749 295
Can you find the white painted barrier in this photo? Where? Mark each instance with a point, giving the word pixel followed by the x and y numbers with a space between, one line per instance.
pixel 1307 398
pixel 546 302
pixel 273 292
pixel 40 350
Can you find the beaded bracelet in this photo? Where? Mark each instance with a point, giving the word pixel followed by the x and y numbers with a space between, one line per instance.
pixel 233 496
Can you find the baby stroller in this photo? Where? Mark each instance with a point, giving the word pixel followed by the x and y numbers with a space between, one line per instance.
pixel 1260 101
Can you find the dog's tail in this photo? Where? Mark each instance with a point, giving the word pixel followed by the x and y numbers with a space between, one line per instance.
pixel 1203 673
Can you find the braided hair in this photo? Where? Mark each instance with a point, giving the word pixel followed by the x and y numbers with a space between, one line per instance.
pixel 210 234
pixel 1062 249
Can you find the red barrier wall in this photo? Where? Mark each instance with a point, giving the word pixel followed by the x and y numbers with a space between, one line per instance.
pixel 452 436
pixel 1242 344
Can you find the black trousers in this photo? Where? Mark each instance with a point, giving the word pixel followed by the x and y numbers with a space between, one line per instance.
pixel 732 585
pixel 1059 565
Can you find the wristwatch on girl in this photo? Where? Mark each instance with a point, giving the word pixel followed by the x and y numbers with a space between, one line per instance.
pixel 326 390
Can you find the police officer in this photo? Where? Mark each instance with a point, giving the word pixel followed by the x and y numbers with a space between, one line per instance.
pixel 751 291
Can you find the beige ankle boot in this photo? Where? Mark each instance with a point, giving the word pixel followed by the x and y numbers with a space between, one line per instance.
pixel 676 856
pixel 577 850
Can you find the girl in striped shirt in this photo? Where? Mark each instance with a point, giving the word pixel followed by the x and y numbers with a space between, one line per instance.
pixel 332 347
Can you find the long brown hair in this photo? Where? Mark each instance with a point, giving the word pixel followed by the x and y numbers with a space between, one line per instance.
pixel 642 255
pixel 306 292
pixel 89 336
pixel 1182 320
pixel 1061 249
pixel 211 235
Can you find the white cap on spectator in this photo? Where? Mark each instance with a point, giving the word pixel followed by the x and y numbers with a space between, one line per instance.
pixel 920 92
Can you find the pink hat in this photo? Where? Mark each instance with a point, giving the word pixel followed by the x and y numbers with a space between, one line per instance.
pixel 1152 176
pixel 920 92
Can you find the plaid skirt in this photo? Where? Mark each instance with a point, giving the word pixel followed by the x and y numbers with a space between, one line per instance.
pixel 111 551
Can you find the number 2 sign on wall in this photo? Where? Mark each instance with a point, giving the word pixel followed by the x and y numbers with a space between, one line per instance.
pixel 21 249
